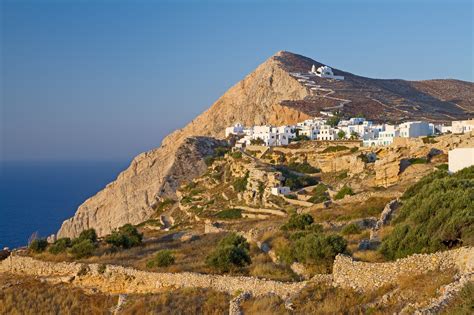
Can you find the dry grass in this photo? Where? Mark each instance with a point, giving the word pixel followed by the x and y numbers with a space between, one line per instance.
pixel 266 305
pixel 463 304
pixel 24 295
pixel 181 301
pixel 368 256
pixel 372 207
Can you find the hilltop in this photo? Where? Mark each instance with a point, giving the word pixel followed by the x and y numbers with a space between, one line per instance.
pixel 268 95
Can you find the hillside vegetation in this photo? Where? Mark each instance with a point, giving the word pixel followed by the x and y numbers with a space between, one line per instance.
pixel 437 213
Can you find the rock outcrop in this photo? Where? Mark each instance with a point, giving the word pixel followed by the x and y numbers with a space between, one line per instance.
pixel 132 196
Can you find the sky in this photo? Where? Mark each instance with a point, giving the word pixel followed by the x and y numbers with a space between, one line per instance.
pixel 106 80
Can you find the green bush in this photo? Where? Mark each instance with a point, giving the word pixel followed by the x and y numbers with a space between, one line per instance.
pixel 162 258
pixel 333 121
pixel 312 248
pixel 83 249
pixel 237 155
pixel 346 190
pixel 418 161
pixel 126 236
pixel 231 252
pixel 350 229
pixel 316 248
pixel 354 149
pixel 88 234
pixel 437 213
pixel 209 160
pixel 102 268
pixel 304 167
pixel 298 222
pixel 221 151
pixel 60 245
pixel 240 184
pixel 38 245
pixel 319 194
pixel 229 214
pixel 335 148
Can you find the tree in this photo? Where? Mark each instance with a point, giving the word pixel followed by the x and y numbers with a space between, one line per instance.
pixel 341 134
pixel 354 135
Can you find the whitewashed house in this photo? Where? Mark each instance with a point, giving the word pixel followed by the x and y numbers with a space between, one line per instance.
pixel 460 158
pixel 236 129
pixel 281 191
pixel 325 72
pixel 462 126
pixel 414 129
pixel 326 132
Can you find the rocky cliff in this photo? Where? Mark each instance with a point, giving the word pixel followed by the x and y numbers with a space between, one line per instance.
pixel 132 196
pixel 269 95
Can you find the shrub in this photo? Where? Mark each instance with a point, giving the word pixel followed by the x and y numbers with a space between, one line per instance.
pixel 231 252
pixel 317 248
pixel 341 134
pixel 335 148
pixel 126 236
pixel 240 184
pixel 229 214
pixel 82 249
pixel 298 222
pixel 88 234
pixel 350 229
pixel 38 245
pixel 60 245
pixel 257 141
pixel 237 155
pixel 102 268
pixel 429 139
pixel 209 160
pixel 354 149
pixel 346 190
pixel 443 167
pixel 333 121
pixel 221 151
pixel 437 213
pixel 418 161
pixel 319 194
pixel 162 258
pixel 304 167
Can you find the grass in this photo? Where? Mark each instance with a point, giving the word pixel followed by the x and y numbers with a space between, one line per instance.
pixel 179 301
pixel 25 295
pixel 463 304
pixel 372 207
pixel 229 214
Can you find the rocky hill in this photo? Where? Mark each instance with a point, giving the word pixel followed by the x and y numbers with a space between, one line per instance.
pixel 269 95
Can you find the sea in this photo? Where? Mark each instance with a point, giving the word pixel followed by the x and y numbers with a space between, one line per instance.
pixel 37 196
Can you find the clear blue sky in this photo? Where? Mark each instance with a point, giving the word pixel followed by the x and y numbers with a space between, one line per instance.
pixel 108 79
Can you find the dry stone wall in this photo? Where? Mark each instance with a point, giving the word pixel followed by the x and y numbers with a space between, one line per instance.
pixel 120 280
pixel 365 276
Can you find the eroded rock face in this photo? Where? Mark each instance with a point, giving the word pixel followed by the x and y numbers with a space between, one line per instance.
pixel 131 197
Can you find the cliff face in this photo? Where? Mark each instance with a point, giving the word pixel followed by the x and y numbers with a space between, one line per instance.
pixel 157 173
pixel 132 196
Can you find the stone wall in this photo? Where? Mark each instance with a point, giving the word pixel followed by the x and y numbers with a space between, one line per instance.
pixel 117 279
pixel 368 276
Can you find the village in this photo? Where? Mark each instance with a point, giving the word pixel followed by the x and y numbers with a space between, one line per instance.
pixel 331 128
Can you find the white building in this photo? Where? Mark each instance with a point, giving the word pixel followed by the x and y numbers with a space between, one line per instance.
pixel 327 133
pixel 462 126
pixel 325 72
pixel 236 129
pixel 278 191
pixel 414 129
pixel 460 158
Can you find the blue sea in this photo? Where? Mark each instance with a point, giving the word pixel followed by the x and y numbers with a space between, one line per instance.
pixel 39 196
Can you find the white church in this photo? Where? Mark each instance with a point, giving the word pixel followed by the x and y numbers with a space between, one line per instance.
pixel 325 72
